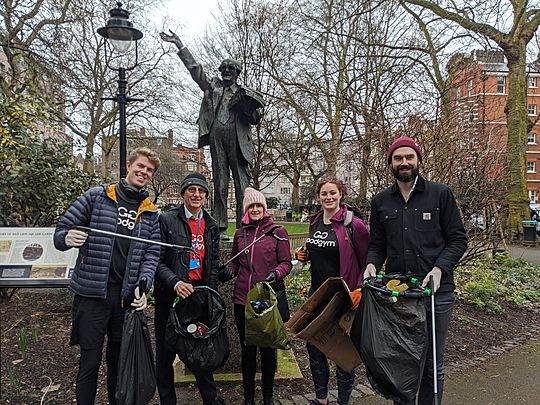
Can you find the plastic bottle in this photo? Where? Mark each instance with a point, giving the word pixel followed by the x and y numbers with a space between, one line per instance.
pixel 197 329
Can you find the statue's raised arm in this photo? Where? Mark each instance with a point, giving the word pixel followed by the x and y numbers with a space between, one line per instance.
pixel 173 38
pixel 195 69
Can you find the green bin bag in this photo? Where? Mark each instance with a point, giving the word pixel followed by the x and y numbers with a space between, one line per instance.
pixel 265 329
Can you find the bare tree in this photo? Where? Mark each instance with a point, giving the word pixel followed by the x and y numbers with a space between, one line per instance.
pixel 26 26
pixel 491 21
pixel 78 56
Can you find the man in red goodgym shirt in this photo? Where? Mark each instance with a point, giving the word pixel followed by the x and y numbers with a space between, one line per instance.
pixel 187 225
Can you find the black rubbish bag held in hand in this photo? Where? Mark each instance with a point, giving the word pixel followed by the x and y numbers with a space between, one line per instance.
pixel 196 330
pixel 136 370
pixel 390 332
pixel 264 324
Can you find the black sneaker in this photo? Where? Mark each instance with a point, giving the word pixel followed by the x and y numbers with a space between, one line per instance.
pixel 268 401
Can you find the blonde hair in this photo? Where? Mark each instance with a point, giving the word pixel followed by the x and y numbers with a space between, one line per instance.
pixel 151 155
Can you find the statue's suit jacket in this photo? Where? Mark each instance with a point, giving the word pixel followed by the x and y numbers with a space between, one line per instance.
pixel 213 89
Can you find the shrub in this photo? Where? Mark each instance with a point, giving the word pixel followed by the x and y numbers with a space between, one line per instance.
pixel 297 285
pixel 487 283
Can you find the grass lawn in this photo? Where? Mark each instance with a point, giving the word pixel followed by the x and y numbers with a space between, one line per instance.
pixel 292 228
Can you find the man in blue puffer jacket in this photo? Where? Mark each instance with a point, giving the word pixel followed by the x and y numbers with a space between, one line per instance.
pixel 108 269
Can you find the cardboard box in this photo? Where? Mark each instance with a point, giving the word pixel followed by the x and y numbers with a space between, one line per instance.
pixel 325 321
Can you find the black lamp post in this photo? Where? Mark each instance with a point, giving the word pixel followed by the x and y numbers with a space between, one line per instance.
pixel 120 33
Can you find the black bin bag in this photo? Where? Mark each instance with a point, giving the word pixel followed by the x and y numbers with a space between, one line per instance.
pixel 203 351
pixel 390 332
pixel 136 370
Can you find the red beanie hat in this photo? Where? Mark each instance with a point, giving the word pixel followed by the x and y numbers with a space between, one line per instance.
pixel 401 142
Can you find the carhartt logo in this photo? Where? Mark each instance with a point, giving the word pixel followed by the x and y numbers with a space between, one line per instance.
pixel 426 216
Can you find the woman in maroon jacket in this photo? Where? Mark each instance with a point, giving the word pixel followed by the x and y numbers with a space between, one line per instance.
pixel 271 261
pixel 333 254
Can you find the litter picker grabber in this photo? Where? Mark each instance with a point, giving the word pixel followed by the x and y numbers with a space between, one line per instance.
pixel 151 242
pixel 434 343
pixel 270 232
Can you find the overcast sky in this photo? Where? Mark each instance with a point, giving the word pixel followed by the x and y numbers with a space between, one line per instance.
pixel 190 16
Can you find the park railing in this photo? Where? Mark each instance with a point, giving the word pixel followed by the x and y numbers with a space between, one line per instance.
pixel 297 240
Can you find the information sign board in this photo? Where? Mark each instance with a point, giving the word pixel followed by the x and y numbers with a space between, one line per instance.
pixel 28 258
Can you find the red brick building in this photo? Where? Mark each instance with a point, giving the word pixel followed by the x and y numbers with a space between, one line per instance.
pixel 186 159
pixel 479 91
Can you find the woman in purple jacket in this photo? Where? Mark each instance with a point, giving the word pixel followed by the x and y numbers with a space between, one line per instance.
pixel 270 259
pixel 333 254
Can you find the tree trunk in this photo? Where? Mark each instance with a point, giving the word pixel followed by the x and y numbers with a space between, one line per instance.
pixel 88 164
pixel 442 165
pixel 516 118
pixel 295 197
pixel 365 148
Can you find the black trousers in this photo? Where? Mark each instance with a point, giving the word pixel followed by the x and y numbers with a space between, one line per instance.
pixel 320 373
pixel 164 364
pixel 93 319
pixel 444 303
pixel 249 360
pixel 227 158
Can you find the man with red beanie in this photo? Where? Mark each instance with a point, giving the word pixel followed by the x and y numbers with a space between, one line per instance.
pixel 416 229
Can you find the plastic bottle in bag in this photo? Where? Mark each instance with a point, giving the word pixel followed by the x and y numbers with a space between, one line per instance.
pixel 197 329
pixel 260 306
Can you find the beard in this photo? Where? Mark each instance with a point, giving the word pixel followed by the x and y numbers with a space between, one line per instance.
pixel 403 177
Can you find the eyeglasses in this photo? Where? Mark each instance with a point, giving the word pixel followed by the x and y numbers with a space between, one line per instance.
pixel 195 190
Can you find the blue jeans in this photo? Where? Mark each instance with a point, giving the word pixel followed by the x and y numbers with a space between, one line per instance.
pixel 320 374
pixel 444 303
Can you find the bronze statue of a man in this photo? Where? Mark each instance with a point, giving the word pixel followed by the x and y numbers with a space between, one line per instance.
pixel 227 111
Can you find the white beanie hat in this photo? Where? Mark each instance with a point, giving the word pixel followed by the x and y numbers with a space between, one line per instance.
pixel 252 196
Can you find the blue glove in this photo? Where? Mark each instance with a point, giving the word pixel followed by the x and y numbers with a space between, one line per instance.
pixel 271 277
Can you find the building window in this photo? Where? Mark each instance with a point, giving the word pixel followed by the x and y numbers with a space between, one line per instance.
pixel 469 88
pixel 531 138
pixel 192 157
pixel 532 82
pixel 471 115
pixel 500 84
pixel 531 167
pixel 458 94
pixel 531 109
pixel 191 167
pixel 285 190
pixel 533 196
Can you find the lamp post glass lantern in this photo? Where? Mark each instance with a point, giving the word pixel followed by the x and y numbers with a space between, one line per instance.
pixel 120 32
